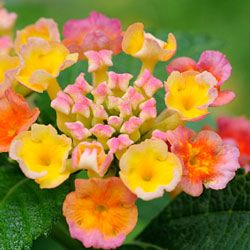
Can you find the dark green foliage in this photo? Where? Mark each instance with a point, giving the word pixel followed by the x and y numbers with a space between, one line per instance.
pixel 215 220
pixel 69 75
pixel 139 246
pixel 26 211
pixel 47 114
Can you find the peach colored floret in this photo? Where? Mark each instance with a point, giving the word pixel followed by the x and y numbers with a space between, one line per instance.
pixel 100 212
pixel 207 159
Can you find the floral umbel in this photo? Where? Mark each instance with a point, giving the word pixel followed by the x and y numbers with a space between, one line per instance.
pixel 111 124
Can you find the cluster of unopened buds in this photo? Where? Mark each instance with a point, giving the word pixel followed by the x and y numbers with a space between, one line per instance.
pixel 110 127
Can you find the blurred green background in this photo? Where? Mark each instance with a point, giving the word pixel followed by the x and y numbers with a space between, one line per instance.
pixel 224 20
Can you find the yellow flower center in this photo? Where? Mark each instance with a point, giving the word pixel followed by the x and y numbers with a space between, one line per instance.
pixel 188 95
pixel 45 159
pixel 149 166
pixel 147 175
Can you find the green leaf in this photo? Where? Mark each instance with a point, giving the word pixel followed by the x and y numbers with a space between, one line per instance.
pixel 147 210
pixel 124 63
pixel 209 120
pixel 59 239
pixel 69 75
pixel 193 45
pixel 5 160
pixel 47 114
pixel 215 220
pixel 139 246
pixel 26 211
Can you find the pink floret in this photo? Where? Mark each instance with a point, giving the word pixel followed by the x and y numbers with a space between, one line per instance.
pixel 62 103
pixel 148 83
pixel 96 32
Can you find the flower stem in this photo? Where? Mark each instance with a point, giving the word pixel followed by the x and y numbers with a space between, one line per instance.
pixel 21 89
pixel 99 76
pixel 175 192
pixel 53 88
pixel 147 64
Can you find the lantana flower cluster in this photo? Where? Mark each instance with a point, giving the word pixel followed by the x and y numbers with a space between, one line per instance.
pixel 109 126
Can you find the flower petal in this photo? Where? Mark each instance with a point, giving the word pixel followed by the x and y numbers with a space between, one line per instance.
pixel 91 156
pixel 148 169
pixel 207 159
pixel 46 167
pixel 133 39
pixel 224 97
pixel 96 32
pixel 97 202
pixel 238 135
pixel 16 116
pixel 44 28
pixel 181 64
pixel 41 61
pixel 216 63
pixel 98 59
pixel 190 93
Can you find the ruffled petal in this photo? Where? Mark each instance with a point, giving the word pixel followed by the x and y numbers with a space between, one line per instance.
pixel 30 149
pixel 181 64
pixel 148 169
pixel 98 202
pixel 216 63
pixel 224 97
pixel 16 116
